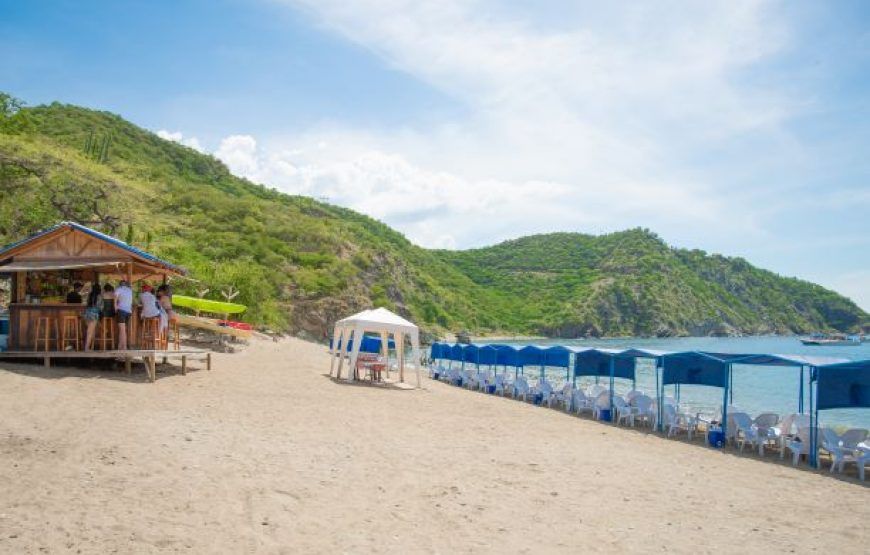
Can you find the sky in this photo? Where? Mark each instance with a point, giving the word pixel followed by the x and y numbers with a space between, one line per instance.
pixel 737 127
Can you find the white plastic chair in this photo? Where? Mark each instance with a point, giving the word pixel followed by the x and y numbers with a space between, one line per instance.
pixel 764 425
pixel 862 457
pixel 642 409
pixel 545 390
pixel 602 402
pixel 799 444
pixel 580 402
pixel 843 448
pixel 595 390
pixel 623 411
pixel 741 430
pixel 565 395
pixel 521 388
pixel 499 383
pixel 630 396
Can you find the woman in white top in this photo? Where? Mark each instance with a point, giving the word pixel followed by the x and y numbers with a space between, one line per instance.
pixel 149 303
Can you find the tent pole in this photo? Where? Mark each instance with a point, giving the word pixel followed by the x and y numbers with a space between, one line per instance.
pixel 612 368
pixel 811 456
pixel 660 365
pixel 357 343
pixel 731 383
pixel 725 406
pixel 801 391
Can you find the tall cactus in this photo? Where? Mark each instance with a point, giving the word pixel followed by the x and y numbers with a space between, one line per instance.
pixel 88 142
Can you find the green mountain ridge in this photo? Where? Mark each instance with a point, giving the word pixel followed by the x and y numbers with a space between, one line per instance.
pixel 300 264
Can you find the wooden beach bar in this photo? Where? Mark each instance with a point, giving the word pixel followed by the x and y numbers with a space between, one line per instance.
pixel 43 268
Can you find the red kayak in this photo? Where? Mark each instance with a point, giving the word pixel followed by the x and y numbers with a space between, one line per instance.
pixel 236 325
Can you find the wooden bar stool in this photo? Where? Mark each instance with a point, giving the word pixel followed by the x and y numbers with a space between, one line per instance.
pixel 42 333
pixel 72 332
pixel 106 335
pixel 149 334
pixel 176 336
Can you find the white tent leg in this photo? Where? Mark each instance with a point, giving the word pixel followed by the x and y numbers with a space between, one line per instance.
pixel 400 354
pixel 385 351
pixel 343 336
pixel 415 355
pixel 357 343
pixel 335 349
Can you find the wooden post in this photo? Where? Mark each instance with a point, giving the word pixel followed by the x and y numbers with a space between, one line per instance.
pixel 183 365
pixel 131 323
pixel 153 364
pixel 47 361
pixel 208 361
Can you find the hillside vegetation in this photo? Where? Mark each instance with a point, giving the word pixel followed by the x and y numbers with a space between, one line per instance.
pixel 300 264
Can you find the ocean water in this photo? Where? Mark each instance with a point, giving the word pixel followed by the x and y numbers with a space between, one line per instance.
pixel 756 388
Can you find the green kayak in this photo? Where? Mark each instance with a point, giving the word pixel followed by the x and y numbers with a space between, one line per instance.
pixel 206 305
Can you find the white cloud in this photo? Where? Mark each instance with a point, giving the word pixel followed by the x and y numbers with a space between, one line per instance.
pixel 178 137
pixel 573 123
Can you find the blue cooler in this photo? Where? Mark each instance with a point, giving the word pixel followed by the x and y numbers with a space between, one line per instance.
pixel 716 438
pixel 4 326
pixel 605 415
pixel 490 389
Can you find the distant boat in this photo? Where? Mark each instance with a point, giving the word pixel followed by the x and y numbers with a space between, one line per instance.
pixel 833 340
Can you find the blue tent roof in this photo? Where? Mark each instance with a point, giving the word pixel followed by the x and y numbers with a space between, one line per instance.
pixel 93 233
pixel 436 352
pixel 507 355
pixel 470 353
pixel 843 385
pixel 531 355
pixel 698 368
pixel 557 356
pixel 596 362
pixel 455 352
pixel 487 354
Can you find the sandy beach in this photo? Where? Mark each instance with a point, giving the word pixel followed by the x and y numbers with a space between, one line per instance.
pixel 267 454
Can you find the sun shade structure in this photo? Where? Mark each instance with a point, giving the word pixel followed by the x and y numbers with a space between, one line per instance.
pixel 839 385
pixel 384 323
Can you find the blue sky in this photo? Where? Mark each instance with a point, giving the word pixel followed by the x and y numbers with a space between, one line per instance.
pixel 738 127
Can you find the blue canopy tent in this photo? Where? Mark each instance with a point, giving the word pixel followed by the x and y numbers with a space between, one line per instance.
pixel 557 356
pixel 531 355
pixel 455 354
pixel 436 352
pixel 487 355
pixel 507 355
pixel 603 363
pixel 698 368
pixel 793 361
pixel 470 354
pixel 840 385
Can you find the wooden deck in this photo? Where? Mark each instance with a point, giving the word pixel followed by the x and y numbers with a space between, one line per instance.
pixel 148 356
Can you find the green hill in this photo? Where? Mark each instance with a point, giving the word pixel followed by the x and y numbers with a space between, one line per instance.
pixel 299 264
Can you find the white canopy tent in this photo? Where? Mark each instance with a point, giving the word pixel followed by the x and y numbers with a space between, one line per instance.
pixel 382 322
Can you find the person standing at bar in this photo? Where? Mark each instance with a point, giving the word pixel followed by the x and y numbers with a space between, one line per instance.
pixel 75 296
pixel 124 310
pixel 93 310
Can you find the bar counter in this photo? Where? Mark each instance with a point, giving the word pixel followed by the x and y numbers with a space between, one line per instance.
pixel 22 322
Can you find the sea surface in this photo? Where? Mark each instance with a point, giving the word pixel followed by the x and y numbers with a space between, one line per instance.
pixel 756 389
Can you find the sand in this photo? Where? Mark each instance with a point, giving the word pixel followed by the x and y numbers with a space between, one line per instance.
pixel 266 454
